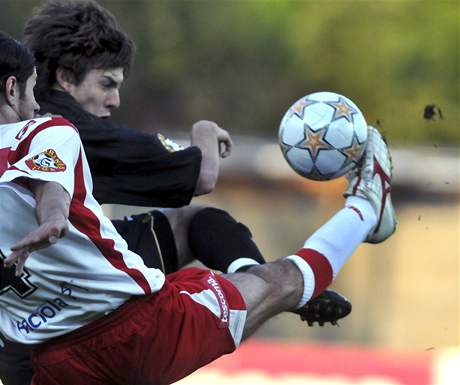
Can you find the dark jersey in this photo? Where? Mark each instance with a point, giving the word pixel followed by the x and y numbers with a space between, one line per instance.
pixel 129 167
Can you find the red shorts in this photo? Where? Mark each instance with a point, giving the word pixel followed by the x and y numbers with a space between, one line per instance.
pixel 157 339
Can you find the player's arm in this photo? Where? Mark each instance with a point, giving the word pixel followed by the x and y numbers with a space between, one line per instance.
pixel 53 203
pixel 52 211
pixel 47 166
pixel 214 142
pixel 130 167
pixel 134 168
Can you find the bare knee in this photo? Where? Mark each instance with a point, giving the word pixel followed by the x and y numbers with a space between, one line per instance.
pixel 267 291
pixel 281 280
pixel 179 220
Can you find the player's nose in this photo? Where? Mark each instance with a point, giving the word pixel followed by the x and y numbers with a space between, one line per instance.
pixel 113 100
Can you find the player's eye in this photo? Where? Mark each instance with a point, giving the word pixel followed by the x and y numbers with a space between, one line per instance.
pixel 108 84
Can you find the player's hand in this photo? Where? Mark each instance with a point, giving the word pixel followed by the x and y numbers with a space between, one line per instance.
pixel 45 235
pixel 208 129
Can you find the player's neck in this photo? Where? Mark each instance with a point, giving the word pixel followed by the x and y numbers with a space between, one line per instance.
pixel 8 115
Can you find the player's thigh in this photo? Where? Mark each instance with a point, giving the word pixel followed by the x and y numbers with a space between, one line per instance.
pixel 179 220
pixel 150 236
pixel 158 339
pixel 201 316
pixel 60 375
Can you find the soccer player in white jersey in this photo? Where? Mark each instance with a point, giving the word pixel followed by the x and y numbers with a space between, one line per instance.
pixel 93 313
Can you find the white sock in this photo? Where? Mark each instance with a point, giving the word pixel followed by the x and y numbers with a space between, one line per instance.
pixel 339 237
pixel 327 250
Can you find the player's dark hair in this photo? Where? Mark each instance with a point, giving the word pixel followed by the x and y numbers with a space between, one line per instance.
pixel 15 60
pixel 75 36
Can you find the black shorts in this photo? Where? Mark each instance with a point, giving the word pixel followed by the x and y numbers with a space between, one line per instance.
pixel 150 236
pixel 15 363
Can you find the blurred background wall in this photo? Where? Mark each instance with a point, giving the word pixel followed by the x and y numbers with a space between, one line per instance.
pixel 243 62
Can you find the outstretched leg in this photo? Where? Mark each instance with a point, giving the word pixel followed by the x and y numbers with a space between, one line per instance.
pixel 221 243
pixel 290 283
pixel 368 215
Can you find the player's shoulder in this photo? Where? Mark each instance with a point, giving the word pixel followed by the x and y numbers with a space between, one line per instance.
pixel 57 126
pixel 44 122
pixel 52 126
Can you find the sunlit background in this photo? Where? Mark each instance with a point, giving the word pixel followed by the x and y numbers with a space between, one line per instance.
pixel 242 63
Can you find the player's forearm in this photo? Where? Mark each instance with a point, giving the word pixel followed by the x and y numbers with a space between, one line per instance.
pixel 53 201
pixel 204 136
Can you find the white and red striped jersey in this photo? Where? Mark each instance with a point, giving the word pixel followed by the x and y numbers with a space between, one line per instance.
pixel 85 275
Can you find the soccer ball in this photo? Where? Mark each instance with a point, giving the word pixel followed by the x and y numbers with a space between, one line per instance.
pixel 322 136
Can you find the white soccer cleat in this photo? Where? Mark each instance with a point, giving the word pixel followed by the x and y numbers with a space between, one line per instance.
pixel 372 181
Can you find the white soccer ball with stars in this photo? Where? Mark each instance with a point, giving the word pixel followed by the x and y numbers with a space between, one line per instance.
pixel 323 135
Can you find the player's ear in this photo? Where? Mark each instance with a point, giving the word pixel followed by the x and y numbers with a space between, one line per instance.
pixel 11 91
pixel 65 80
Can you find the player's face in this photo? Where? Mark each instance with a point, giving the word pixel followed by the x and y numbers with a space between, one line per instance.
pixel 98 92
pixel 26 104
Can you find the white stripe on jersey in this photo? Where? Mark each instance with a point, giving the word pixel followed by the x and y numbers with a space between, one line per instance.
pixel 89 272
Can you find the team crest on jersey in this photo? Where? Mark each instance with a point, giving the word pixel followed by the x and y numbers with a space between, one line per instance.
pixel 167 143
pixel 46 161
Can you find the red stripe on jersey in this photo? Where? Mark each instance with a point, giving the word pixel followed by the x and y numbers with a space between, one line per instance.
pixel 88 223
pixel 23 147
pixel 321 267
pixel 4 152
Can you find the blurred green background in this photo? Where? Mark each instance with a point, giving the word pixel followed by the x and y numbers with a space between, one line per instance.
pixel 243 62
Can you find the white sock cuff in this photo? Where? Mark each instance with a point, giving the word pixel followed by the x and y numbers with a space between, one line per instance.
pixel 308 279
pixel 239 263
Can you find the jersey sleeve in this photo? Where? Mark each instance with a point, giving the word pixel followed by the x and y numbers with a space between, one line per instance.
pixel 141 169
pixel 49 153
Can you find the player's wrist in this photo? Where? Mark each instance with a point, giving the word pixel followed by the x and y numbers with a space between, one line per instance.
pixel 54 218
pixel 205 127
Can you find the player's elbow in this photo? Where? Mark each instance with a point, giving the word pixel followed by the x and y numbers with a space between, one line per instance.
pixel 206 183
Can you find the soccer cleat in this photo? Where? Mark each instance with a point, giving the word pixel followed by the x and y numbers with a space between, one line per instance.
pixel 372 181
pixel 329 306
